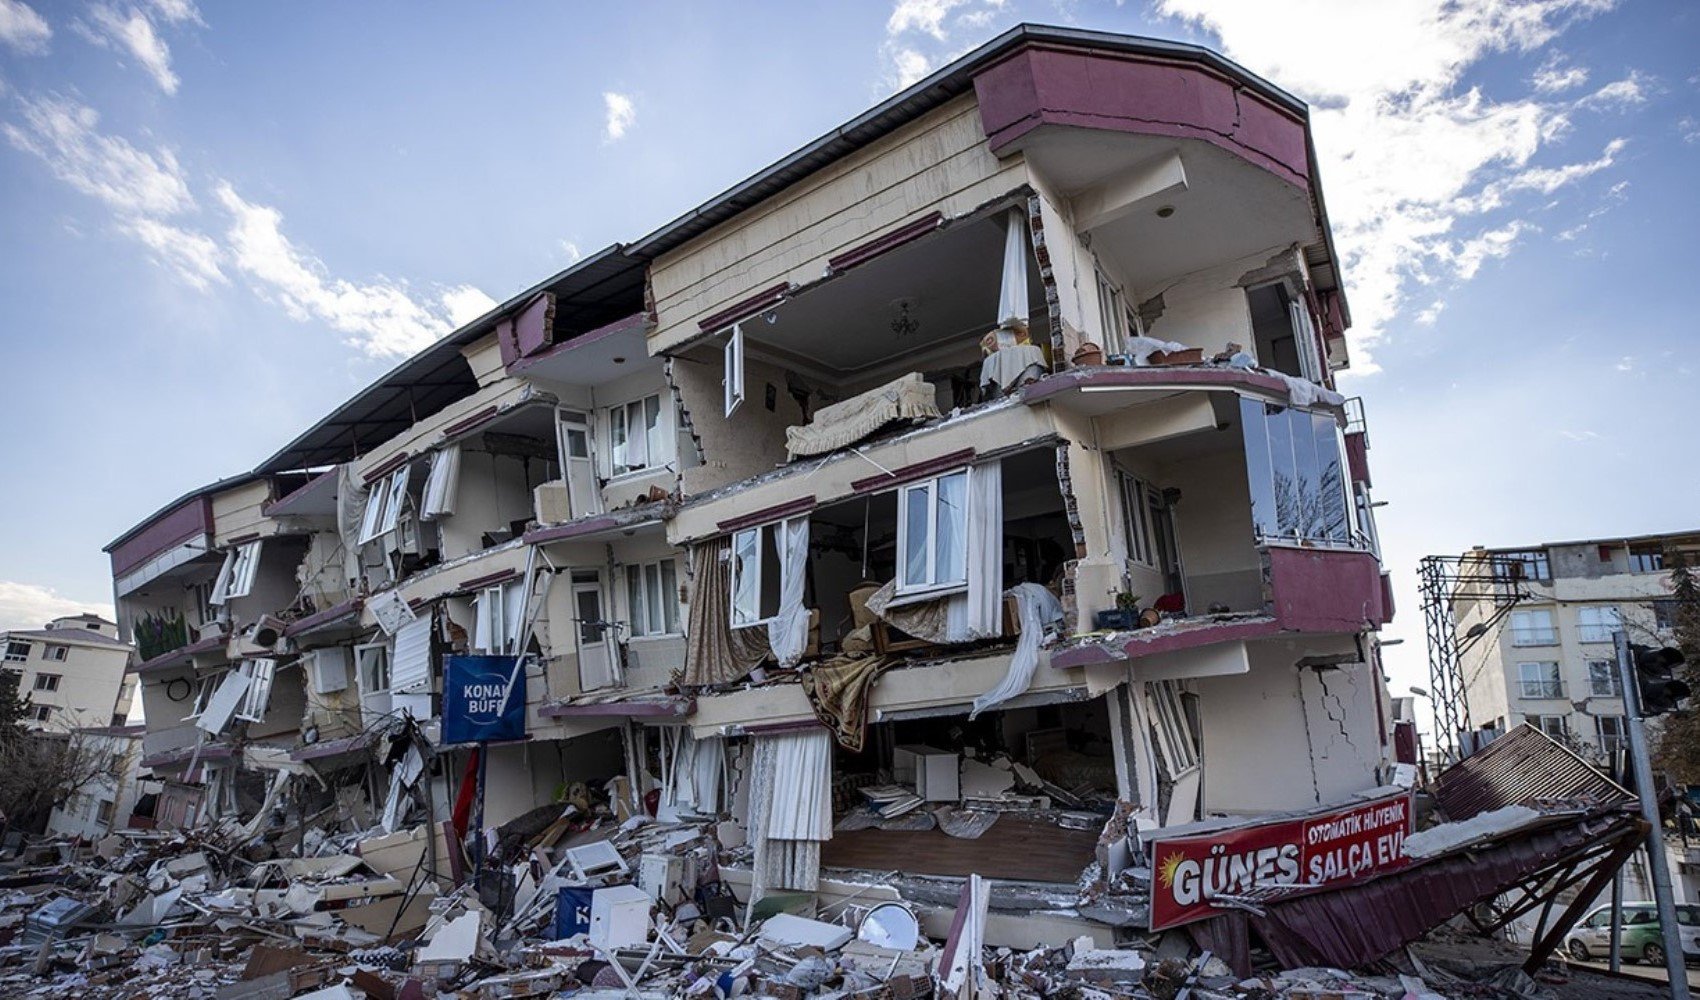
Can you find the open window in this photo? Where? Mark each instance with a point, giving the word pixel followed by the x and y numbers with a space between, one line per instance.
pixel 1171 728
pixel 384 503
pixel 258 696
pixel 932 535
pixel 640 436
pixel 758 561
pixel 441 484
pixel 734 379
pixel 204 688
pixel 572 438
pixel 500 619
pixel 1283 332
pixel 236 578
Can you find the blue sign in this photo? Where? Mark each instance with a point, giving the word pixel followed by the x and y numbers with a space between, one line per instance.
pixel 572 911
pixel 483 699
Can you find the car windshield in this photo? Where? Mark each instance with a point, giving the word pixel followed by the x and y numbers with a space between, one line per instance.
pixel 1688 916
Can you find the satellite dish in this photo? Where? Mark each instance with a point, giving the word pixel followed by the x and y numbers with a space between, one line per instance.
pixel 890 925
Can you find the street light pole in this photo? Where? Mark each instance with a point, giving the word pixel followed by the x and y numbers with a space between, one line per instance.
pixel 1676 967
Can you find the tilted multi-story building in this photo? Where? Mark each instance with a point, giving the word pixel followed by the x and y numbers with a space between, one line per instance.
pixel 875 437
pixel 1543 653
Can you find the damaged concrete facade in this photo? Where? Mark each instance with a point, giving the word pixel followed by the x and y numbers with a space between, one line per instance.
pixel 985 453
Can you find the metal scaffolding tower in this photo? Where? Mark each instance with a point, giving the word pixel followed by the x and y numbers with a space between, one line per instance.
pixel 1444 582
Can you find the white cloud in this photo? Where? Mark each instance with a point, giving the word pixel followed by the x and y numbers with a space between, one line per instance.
pixel 1583 435
pixel 570 250
pixel 177 11
pixel 1619 94
pixel 925 16
pixel 1409 157
pixel 192 256
pixel 1689 129
pixel 1430 314
pixel 131 31
pixel 1554 77
pixel 30 606
pixel 381 317
pixel 464 303
pixel 921 35
pixel 1626 363
pixel 22 29
pixel 619 114
pixel 64 134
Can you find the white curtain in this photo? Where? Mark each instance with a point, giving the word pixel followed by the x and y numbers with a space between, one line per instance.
pixel 1036 607
pixel 1012 300
pixel 790 809
pixel 440 486
pixel 788 632
pixel 978 613
pixel 694 779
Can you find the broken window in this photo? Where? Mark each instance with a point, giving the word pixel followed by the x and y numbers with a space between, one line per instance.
pixel 734 378
pixel 638 436
pixel 47 682
pixel 932 534
pixel 1603 679
pixel 1540 680
pixel 17 651
pixel 441 483
pixel 410 662
pixel 258 697
pixel 1533 628
pixel 758 558
pixel 236 578
pixel 1171 727
pixel 1613 732
pixel 1283 334
pixel 1597 624
pixel 204 688
pixel 1530 564
pixel 1294 470
pixel 384 503
pixel 373 662
pixel 1646 559
pixel 652 596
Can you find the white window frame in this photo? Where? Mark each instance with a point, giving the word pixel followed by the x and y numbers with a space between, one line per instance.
pixel 490 632
pixel 733 379
pixel 751 617
pixel 47 682
pixel 1171 729
pixel 236 577
pixel 1613 687
pixel 658 453
pixel 42 712
pixel 55 653
pixel 441 484
pixel 17 651
pixel 1540 722
pixel 652 609
pixel 1648 560
pixel 1546 687
pixel 363 653
pixel 932 585
pixel 258 695
pixel 1533 635
pixel 1112 313
pixel 1617 739
pixel 204 688
pixel 1596 623
pixel 383 504
pixel 1136 520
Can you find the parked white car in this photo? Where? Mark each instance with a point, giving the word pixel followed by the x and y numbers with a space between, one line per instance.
pixel 1590 940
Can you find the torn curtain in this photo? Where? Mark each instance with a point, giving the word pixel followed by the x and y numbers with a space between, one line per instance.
pixel 1037 608
pixel 790 809
pixel 788 631
pixel 715 652
pixel 977 612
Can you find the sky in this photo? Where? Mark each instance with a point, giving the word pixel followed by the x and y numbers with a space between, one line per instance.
pixel 218 222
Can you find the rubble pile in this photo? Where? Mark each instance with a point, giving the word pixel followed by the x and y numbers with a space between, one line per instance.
pixel 563 907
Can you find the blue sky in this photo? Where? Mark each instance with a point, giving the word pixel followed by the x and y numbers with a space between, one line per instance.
pixel 219 222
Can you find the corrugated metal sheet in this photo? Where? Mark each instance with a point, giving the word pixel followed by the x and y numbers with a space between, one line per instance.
pixel 1523 767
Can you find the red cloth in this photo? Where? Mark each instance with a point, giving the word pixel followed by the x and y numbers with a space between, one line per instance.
pixel 1171 603
pixel 468 795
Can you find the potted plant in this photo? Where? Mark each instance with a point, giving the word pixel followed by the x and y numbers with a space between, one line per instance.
pixel 1088 353
pixel 1125 615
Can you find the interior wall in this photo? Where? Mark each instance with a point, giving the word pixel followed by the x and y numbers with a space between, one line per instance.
pixel 275 585
pixel 752 440
pixel 1205 309
pixel 1219 556
pixel 288 707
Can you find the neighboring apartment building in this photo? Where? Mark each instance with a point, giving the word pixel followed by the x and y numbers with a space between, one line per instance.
pixel 105 802
pixel 1545 654
pixel 72 671
pixel 872 438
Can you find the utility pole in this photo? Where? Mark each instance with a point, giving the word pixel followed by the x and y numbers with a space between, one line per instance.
pixel 1676 967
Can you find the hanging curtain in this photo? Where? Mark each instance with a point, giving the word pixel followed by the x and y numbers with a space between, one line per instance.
pixel 978 614
pixel 788 632
pixel 1012 300
pixel 790 809
pixel 715 652
pixel 692 786
pixel 351 497
pixel 1036 607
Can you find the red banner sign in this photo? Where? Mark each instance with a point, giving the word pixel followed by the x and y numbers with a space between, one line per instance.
pixel 1338 847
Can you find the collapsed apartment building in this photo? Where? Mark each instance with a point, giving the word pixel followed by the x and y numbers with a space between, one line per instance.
pixel 965 496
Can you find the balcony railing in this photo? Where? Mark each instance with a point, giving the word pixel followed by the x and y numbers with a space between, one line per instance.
pixel 1534 636
pixel 1542 689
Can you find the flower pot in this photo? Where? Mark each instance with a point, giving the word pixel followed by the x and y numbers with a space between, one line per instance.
pixel 1089 354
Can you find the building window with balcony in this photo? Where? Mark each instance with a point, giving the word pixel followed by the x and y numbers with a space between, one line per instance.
pixel 47 682
pixel 1529 564
pixel 1646 559
pixel 1533 628
pixel 1556 726
pixel 1540 680
pixel 1603 679
pixel 16 651
pixel 1613 731
pixel 652 598
pixel 57 654
pixel 1597 624
pixel 1294 463
pixel 759 558
pixel 638 436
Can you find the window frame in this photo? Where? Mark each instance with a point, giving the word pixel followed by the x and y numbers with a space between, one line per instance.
pixel 54 652
pixel 262 673
pixel 382 649
pixel 932 586
pixel 236 577
pixel 1533 635
pixel 47 682
pixel 1136 520
pixel 1597 631
pixel 732 379
pixel 14 655
pixel 1537 565
pixel 1171 727
pixel 1112 313
pixel 1649 559
pixel 1540 722
pixel 781 537
pixel 659 450
pixel 383 504
pixel 1551 688
pixel 640 615
pixel 1614 687
pixel 205 685
pixel 41 713
pixel 1618 740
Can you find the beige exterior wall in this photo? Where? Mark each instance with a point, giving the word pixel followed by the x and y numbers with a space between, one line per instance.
pixel 86 688
pixel 938 163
